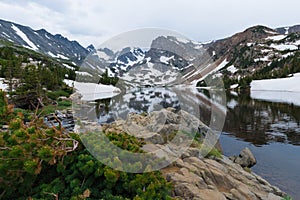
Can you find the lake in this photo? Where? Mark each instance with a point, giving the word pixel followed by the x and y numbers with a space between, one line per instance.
pixel 270 129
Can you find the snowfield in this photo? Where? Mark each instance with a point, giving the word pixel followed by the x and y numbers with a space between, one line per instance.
pixel 285 90
pixel 232 69
pixel 276 37
pixel 24 37
pixel 93 91
pixel 3 86
pixel 283 47
pixel 290 84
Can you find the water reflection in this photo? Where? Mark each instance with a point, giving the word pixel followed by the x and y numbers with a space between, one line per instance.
pixel 255 121
pixel 261 122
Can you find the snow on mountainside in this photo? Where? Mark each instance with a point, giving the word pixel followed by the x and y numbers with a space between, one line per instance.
pixel 42 41
pixel 257 53
pixel 167 61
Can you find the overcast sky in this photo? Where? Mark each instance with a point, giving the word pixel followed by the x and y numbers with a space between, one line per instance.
pixel 95 21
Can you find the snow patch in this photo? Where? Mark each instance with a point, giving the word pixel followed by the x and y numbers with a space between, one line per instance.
pixel 62 56
pixel 5 34
pixel 232 104
pixel 165 59
pixel 220 66
pixel 271 32
pixel 287 30
pixel 51 54
pixel 68 66
pixel 283 47
pixel 47 36
pixel 57 56
pixel 287 54
pixel 103 55
pixel 264 59
pixel 290 84
pixel 232 69
pixel 93 91
pixel 276 37
pixel 182 40
pixel 3 86
pixel 234 86
pixel 24 37
pixel 284 90
pixel 83 73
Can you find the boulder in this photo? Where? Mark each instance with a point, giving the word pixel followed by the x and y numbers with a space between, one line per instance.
pixel 245 159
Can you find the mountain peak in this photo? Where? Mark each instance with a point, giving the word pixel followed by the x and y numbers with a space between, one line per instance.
pixel 56 46
pixel 91 48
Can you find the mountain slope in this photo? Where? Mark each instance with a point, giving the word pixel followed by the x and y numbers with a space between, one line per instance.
pixel 42 41
pixel 168 61
pixel 257 53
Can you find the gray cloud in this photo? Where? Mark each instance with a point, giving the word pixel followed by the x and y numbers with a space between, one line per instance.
pixel 94 21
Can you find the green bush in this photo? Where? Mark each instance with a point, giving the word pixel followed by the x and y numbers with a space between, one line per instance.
pixel 55 94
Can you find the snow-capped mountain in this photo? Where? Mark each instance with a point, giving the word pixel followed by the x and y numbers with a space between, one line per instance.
pixel 167 61
pixel 42 41
pixel 257 53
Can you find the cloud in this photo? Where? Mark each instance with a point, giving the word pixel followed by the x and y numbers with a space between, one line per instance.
pixel 94 21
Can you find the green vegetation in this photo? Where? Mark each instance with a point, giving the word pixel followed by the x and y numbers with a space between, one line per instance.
pixel 247 169
pixel 107 80
pixel 31 76
pixel 214 152
pixel 287 198
pixel 37 162
pixel 97 77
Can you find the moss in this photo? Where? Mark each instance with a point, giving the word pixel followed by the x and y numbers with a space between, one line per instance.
pixel 247 169
pixel 215 153
pixel 287 198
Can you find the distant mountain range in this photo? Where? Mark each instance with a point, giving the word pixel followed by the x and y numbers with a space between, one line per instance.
pixel 42 41
pixel 259 52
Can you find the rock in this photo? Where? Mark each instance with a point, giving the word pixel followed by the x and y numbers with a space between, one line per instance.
pixel 273 197
pixel 211 194
pixel 245 159
pixel 197 178
pixel 155 139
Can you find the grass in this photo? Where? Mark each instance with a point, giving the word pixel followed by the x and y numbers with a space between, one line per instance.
pixel 56 94
pixel 287 198
pixel 61 105
pixel 247 169
pixel 214 153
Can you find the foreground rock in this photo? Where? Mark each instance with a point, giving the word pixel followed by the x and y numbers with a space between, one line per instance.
pixel 206 179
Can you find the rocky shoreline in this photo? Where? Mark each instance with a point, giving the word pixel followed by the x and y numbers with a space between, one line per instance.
pixel 195 176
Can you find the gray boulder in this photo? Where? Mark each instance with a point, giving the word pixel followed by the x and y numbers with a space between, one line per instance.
pixel 245 159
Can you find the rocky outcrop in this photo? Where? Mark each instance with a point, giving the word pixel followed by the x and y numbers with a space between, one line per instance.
pixel 196 178
pixel 193 175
